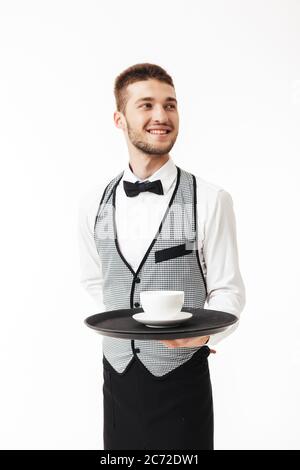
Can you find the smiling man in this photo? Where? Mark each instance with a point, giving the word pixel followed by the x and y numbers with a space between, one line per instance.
pixel 156 226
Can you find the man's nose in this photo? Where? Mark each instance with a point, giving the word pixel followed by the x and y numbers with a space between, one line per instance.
pixel 159 113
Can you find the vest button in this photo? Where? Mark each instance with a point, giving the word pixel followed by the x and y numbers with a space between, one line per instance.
pixel 137 280
pixel 136 304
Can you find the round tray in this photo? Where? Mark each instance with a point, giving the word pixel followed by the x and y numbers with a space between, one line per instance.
pixel 120 324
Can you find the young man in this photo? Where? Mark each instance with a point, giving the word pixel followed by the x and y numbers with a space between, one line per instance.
pixel 156 226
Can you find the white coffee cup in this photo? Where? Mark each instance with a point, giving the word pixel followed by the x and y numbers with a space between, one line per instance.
pixel 162 303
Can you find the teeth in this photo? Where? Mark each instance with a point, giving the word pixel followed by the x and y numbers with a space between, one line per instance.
pixel 158 132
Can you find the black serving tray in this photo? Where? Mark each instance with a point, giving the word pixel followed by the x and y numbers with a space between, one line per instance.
pixel 120 324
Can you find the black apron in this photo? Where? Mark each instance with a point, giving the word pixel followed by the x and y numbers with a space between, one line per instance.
pixel 171 412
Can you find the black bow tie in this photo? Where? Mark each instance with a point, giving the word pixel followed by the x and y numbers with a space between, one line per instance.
pixel 133 189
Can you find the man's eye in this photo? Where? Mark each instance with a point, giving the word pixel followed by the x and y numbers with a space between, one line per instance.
pixel 149 104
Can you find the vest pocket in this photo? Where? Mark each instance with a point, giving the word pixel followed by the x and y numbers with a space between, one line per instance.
pixel 173 252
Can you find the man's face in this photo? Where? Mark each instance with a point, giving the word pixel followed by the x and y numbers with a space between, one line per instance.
pixel 151 105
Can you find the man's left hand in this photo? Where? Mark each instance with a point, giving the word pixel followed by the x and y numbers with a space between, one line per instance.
pixel 187 342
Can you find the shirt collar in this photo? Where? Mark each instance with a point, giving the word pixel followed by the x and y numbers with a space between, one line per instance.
pixel 166 173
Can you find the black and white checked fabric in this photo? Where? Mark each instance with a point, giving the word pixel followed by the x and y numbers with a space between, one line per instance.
pixel 170 263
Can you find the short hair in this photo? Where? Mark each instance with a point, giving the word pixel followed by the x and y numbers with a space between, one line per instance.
pixel 136 73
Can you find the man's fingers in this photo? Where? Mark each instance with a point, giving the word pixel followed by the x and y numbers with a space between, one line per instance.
pixel 172 344
pixel 167 342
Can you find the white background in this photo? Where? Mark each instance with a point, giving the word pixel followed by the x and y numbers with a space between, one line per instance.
pixel 236 70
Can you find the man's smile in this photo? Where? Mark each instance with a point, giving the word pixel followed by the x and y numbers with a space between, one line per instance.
pixel 159 133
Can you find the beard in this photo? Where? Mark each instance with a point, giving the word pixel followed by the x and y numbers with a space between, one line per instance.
pixel 143 144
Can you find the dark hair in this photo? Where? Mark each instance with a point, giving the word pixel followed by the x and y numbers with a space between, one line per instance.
pixel 136 73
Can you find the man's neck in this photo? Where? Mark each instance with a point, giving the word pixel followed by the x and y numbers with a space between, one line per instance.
pixel 145 167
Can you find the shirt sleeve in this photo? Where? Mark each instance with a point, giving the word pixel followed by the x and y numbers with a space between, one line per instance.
pixel 91 278
pixel 225 287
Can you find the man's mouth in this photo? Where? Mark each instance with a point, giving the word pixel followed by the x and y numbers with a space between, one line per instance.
pixel 158 132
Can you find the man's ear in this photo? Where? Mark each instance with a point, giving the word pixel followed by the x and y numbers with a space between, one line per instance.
pixel 118 120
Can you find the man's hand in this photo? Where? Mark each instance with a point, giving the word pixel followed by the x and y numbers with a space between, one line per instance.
pixel 187 342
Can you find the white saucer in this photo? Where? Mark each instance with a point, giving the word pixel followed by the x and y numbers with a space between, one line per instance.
pixel 163 323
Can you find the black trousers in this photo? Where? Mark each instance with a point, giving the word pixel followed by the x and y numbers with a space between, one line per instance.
pixel 142 411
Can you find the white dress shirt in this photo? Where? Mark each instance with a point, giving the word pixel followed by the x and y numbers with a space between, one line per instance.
pixel 137 221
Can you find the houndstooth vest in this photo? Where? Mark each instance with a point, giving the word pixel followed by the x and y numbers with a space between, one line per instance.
pixel 170 263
